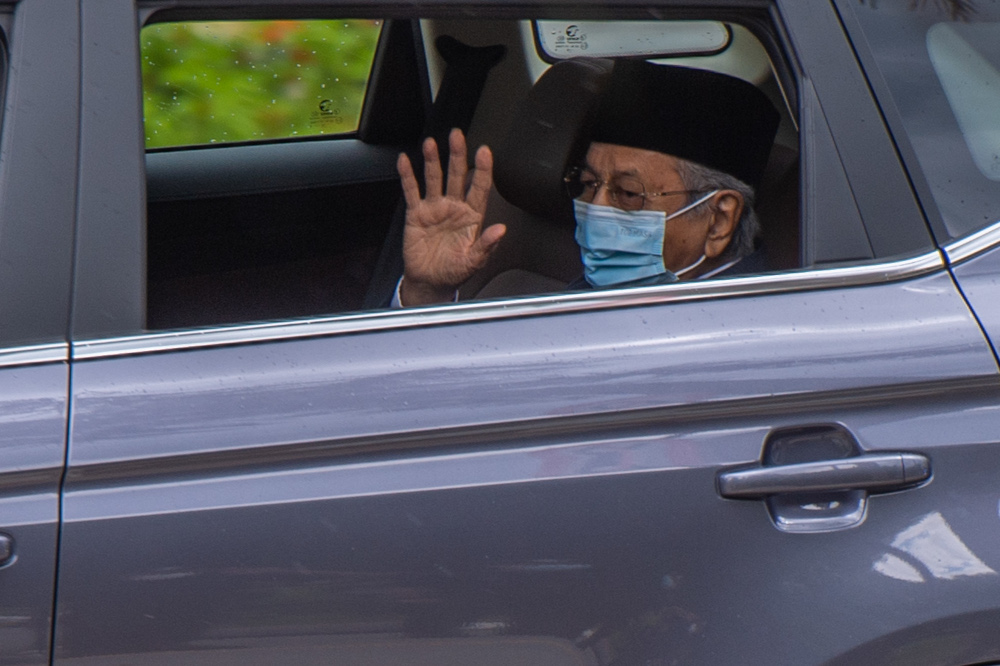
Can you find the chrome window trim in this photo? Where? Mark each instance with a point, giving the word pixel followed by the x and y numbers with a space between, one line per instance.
pixel 57 352
pixel 475 311
pixel 969 246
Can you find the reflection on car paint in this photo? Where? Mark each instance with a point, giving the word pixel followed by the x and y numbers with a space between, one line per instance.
pixel 932 543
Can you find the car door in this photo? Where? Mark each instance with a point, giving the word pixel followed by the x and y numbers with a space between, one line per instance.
pixel 786 468
pixel 38 70
pixel 938 102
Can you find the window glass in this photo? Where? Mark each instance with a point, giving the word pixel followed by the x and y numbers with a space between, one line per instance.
pixel 226 81
pixel 941 62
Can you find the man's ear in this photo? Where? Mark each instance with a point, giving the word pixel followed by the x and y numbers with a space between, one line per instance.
pixel 726 207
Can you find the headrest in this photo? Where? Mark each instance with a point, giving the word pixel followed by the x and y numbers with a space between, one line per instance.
pixel 713 119
pixel 550 133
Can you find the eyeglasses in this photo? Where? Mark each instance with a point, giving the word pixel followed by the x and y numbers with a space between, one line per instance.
pixel 625 192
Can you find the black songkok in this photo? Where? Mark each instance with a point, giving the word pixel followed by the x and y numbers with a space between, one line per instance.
pixel 713 119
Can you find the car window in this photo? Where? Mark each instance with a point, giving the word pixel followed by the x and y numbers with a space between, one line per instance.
pixel 941 63
pixel 276 230
pixel 207 82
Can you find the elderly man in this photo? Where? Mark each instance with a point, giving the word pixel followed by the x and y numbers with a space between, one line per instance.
pixel 665 192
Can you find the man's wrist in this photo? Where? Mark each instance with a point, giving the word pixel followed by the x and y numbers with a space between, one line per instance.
pixel 414 292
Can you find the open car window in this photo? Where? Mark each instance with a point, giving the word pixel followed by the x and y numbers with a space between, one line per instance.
pixel 274 228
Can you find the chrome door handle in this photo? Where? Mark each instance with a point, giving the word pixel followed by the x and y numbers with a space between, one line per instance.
pixel 874 472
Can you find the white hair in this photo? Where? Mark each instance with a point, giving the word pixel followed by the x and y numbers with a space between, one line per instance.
pixel 700 180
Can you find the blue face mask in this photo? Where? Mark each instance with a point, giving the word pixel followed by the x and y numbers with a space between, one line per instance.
pixel 620 247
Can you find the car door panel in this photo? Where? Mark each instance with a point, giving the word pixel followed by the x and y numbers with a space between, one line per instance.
pixel 33 401
pixel 543 483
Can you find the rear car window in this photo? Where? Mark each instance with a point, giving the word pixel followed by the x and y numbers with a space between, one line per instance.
pixel 231 81
pixel 941 62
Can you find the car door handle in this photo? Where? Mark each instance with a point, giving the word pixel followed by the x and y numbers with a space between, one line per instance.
pixel 879 472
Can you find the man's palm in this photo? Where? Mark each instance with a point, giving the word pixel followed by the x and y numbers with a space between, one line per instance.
pixel 440 242
pixel 443 241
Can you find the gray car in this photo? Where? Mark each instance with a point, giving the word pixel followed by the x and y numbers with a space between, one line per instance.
pixel 218 447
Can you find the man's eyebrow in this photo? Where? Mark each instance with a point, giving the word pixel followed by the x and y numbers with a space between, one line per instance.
pixel 621 172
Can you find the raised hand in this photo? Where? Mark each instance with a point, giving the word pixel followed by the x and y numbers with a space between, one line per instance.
pixel 443 241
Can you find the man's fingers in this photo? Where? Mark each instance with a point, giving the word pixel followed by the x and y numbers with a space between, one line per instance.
pixel 411 190
pixel 458 167
pixel 432 169
pixel 482 180
pixel 487 242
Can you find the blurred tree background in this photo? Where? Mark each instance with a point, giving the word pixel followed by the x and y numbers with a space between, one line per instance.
pixel 224 81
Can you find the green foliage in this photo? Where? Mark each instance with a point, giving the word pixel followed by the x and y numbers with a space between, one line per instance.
pixel 223 81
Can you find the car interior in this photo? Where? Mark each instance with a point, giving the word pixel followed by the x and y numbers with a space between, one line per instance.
pixel 307 227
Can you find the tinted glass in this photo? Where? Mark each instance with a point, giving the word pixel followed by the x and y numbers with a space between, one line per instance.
pixel 941 61
pixel 225 81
